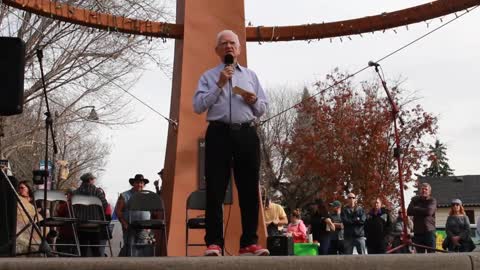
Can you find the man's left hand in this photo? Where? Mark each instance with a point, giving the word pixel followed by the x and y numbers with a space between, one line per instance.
pixel 249 98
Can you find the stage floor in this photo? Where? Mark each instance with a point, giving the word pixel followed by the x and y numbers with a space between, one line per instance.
pixel 457 261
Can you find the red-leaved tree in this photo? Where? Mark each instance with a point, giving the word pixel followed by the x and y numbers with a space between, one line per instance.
pixel 343 140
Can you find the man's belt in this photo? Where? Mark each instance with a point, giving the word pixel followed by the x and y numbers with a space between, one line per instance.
pixel 233 126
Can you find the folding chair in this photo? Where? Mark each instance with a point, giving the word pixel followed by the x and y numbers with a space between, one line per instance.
pixel 197 200
pixel 146 200
pixel 93 204
pixel 54 196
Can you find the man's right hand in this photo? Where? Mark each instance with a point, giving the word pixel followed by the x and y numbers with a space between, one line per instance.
pixel 455 240
pixel 225 75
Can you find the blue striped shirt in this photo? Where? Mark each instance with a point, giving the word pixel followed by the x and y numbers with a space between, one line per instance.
pixel 208 96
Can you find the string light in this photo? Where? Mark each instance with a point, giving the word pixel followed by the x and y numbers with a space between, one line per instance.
pixel 146 28
pixel 299 104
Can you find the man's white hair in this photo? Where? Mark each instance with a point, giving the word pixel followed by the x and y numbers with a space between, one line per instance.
pixel 427 185
pixel 223 32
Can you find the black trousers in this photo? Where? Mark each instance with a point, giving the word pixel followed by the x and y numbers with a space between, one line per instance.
pixel 89 238
pixel 376 246
pixel 227 147
pixel 425 239
pixel 336 247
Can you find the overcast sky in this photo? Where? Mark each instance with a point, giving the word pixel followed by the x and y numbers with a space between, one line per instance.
pixel 442 69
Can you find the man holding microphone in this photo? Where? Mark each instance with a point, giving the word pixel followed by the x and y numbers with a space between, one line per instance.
pixel 234 99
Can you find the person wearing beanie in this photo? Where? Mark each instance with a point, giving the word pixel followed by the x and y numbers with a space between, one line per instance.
pixel 457 228
pixel 336 239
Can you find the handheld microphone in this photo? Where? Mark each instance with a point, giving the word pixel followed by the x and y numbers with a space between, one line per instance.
pixel 228 59
pixel 39 53
pixel 373 64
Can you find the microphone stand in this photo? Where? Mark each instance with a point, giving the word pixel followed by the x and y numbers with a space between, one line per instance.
pixel 405 237
pixel 44 247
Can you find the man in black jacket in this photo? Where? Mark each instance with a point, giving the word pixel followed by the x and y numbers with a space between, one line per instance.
pixel 423 208
pixel 353 218
pixel 377 228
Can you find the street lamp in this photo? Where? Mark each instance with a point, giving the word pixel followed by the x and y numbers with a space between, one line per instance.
pixel 92 116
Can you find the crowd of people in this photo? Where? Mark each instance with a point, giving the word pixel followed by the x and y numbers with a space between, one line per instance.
pixel 338 230
pixel 92 240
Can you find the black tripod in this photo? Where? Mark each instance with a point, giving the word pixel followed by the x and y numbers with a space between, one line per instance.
pixel 44 247
pixel 405 237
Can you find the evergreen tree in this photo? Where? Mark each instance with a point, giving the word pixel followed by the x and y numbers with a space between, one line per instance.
pixel 438 161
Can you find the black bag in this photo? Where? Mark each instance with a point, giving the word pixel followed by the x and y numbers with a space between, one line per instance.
pixel 468 245
pixel 272 230
pixel 465 246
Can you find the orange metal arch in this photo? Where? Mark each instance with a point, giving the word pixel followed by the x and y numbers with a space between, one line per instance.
pixel 70 14
pixel 110 22
pixel 360 25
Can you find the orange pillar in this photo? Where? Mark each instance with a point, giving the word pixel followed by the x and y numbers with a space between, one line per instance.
pixel 202 20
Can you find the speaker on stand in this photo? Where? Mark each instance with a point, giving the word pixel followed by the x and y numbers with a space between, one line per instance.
pixel 12 69
pixel 280 245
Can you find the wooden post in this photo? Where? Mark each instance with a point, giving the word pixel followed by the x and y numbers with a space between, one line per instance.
pixel 194 54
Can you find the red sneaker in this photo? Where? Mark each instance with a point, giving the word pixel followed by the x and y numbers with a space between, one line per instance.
pixel 254 250
pixel 213 250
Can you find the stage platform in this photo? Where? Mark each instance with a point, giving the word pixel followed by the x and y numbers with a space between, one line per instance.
pixel 458 261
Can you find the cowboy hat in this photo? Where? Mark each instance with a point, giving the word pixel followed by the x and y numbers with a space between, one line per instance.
pixel 138 177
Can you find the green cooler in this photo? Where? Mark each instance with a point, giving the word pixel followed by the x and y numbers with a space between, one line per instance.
pixel 305 249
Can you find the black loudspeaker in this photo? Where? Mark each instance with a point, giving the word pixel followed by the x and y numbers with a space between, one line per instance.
pixel 8 217
pixel 12 69
pixel 280 245
pixel 201 173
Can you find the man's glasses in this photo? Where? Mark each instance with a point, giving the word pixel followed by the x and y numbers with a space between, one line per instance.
pixel 350 197
pixel 226 43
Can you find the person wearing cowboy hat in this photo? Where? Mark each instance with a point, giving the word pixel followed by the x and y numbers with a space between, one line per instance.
pixel 159 182
pixel 138 183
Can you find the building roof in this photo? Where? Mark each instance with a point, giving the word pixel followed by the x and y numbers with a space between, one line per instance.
pixel 447 188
